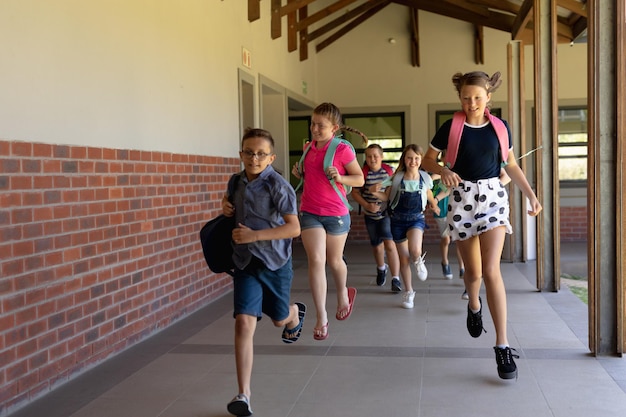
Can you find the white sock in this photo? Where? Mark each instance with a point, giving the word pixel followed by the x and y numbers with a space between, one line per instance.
pixel 381 268
pixel 502 346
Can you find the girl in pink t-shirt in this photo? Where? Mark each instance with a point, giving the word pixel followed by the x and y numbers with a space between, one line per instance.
pixel 324 218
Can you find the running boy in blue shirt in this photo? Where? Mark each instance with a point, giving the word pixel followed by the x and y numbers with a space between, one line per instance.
pixel 265 209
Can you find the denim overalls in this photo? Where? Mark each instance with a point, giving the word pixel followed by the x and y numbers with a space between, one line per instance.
pixel 408 213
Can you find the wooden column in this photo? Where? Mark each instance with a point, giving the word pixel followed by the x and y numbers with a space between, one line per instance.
pixel 514 249
pixel 606 176
pixel 546 134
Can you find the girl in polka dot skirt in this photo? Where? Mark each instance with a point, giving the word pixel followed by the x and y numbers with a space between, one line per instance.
pixel 478 215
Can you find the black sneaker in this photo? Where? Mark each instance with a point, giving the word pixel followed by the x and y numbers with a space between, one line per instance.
pixel 381 276
pixel 396 286
pixel 475 321
pixel 506 365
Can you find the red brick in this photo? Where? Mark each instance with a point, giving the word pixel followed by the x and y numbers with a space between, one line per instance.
pixel 5 148
pixel 22 149
pixel 19 182
pixel 43 150
pixel 42 182
pixel 51 166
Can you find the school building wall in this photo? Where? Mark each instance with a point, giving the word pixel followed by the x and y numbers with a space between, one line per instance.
pixel 119 126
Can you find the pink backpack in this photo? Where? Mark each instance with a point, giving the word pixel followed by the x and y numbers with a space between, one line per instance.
pixel 454 139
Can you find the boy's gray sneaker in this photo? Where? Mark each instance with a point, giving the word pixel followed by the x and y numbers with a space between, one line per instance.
pixel 381 276
pixel 447 271
pixel 396 285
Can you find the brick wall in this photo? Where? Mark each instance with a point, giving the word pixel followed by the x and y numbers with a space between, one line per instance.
pixel 573 223
pixel 98 250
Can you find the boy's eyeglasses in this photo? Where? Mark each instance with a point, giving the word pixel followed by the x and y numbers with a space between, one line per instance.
pixel 259 155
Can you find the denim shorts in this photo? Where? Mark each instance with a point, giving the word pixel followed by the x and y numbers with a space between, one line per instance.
pixel 333 225
pixel 378 230
pixel 399 228
pixel 258 290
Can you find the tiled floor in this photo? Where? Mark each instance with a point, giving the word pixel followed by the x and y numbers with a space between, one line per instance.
pixel 382 361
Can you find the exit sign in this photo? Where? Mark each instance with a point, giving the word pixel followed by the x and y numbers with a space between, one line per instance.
pixel 246 58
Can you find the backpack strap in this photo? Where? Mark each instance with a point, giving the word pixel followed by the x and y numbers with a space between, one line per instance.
pixel 231 187
pixel 394 194
pixel 456 129
pixel 301 165
pixel 328 162
pixel 388 169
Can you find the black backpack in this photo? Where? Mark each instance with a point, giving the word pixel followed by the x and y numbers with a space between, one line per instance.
pixel 216 237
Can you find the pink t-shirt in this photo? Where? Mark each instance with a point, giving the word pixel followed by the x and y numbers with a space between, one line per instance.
pixel 318 195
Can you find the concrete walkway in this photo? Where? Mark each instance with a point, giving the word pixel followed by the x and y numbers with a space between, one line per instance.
pixel 382 361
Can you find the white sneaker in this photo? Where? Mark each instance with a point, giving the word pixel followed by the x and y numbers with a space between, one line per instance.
pixel 420 267
pixel 407 299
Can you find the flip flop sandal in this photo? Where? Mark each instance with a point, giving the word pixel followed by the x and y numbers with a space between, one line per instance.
pixel 292 335
pixel 323 330
pixel 345 312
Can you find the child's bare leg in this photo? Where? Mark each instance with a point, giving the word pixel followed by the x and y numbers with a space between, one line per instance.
pixel 405 269
pixel 245 326
pixel 379 255
pixel 491 244
pixel 392 257
pixel 314 241
pixel 470 251
pixel 335 245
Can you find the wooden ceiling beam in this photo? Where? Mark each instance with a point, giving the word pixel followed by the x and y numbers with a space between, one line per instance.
pixel 254 10
pixel 346 17
pixel 347 28
pixel 494 20
pixel 469 6
pixel 304 44
pixel 479 45
pixel 524 16
pixel 292 34
pixel 275 23
pixel 579 27
pixel 415 37
pixel 573 6
pixel 291 7
pixel 325 12
pixel 502 5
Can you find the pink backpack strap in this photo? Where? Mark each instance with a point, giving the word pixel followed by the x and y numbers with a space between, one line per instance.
pixel 502 133
pixel 456 129
pixel 454 138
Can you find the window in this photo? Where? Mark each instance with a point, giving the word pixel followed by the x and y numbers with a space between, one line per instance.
pixel 385 129
pixel 572 122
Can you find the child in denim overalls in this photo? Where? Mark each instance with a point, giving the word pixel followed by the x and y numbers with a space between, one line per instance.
pixel 408 192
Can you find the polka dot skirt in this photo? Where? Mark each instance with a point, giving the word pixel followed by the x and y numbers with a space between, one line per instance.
pixel 477 206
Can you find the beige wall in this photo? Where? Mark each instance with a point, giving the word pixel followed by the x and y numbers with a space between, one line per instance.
pixel 163 75
pixel 136 74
